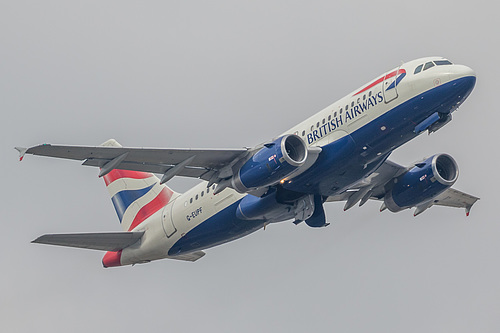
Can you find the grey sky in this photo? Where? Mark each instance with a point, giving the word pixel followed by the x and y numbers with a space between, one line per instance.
pixel 232 74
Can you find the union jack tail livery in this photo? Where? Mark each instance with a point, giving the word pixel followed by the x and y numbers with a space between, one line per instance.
pixel 136 195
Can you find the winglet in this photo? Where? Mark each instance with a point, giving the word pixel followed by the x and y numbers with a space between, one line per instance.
pixel 469 207
pixel 467 210
pixel 21 151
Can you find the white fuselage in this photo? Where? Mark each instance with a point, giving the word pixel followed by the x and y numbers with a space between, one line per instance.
pixel 357 110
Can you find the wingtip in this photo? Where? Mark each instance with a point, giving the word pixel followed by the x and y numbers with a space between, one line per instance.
pixel 467 209
pixel 36 240
pixel 22 152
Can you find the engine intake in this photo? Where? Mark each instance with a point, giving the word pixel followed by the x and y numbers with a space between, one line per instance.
pixel 422 183
pixel 271 163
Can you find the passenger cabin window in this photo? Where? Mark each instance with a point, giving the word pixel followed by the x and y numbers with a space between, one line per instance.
pixel 303 133
pixel 428 65
pixel 418 69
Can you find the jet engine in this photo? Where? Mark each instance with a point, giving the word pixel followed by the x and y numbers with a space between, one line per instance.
pixel 422 183
pixel 271 163
pixel 269 208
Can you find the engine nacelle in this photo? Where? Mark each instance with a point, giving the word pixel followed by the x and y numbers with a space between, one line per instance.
pixel 268 208
pixel 422 183
pixel 271 163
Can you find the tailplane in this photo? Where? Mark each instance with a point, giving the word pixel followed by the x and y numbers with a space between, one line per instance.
pixel 104 241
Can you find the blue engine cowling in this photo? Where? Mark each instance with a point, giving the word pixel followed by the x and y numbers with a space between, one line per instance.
pixel 422 183
pixel 271 163
pixel 269 208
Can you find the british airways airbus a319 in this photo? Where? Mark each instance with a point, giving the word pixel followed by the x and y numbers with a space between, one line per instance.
pixel 338 154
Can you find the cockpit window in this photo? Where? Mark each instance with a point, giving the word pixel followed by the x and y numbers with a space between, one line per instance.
pixel 418 69
pixel 428 65
pixel 442 62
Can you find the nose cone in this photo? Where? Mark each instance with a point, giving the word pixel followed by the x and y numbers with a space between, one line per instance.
pixel 462 80
pixel 461 71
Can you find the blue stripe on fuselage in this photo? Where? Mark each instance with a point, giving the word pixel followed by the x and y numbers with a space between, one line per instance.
pixel 338 173
pixel 329 176
pixel 218 229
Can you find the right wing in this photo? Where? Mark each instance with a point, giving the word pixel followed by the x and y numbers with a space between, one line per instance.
pixel 197 163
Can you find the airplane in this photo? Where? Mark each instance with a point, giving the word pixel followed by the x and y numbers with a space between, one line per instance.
pixel 339 154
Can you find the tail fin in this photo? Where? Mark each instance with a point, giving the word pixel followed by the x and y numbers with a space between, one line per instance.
pixel 136 195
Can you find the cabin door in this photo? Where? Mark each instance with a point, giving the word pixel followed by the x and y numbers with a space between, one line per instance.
pixel 390 89
pixel 167 221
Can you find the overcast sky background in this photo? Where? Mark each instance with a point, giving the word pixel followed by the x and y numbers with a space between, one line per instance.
pixel 232 74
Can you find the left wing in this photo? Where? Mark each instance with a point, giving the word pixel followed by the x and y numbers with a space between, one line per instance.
pixel 196 163
pixel 454 198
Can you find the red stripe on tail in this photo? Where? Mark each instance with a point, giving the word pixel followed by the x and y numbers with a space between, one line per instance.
pixel 117 174
pixel 155 205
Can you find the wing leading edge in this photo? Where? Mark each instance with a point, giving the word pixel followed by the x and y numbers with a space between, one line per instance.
pixel 196 163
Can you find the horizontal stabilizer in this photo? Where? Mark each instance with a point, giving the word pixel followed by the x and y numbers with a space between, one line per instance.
pixel 108 241
pixel 189 256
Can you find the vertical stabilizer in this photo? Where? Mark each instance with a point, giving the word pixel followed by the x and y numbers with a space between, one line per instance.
pixel 136 195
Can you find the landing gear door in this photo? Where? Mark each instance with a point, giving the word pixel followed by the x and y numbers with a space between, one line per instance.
pixel 167 221
pixel 390 86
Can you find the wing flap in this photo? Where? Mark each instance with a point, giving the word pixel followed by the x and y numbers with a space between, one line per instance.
pixel 187 171
pixel 455 198
pixel 108 241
